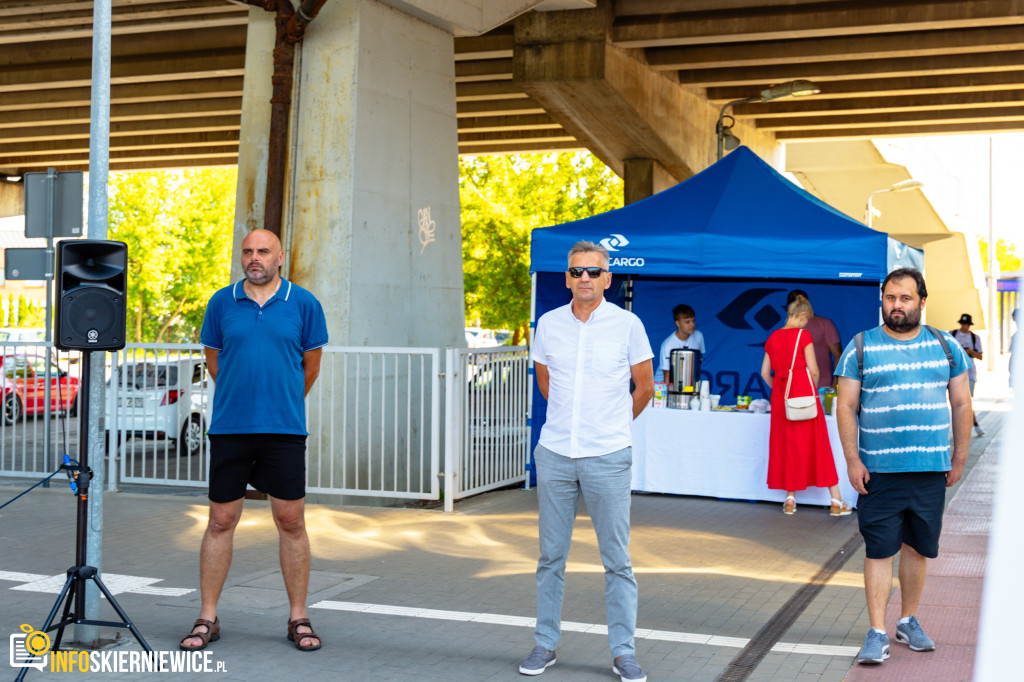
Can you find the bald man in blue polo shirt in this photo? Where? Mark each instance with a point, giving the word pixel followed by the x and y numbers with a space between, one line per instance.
pixel 263 337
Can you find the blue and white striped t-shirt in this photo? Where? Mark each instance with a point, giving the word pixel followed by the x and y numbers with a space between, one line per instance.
pixel 904 413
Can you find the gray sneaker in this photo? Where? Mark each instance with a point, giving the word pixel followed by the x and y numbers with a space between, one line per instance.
pixel 538 660
pixel 875 649
pixel 911 634
pixel 628 670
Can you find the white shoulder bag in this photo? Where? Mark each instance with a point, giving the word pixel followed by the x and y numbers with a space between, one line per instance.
pixel 800 409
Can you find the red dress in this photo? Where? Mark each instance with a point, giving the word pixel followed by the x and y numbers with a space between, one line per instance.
pixel 799 452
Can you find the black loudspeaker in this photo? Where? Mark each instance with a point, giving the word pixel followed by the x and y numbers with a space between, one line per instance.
pixel 92 283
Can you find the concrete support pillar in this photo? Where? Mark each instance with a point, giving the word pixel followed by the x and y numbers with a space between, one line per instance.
pixel 253 142
pixel 643 178
pixel 371 217
pixel 12 198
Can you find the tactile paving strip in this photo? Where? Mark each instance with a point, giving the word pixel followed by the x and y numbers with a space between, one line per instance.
pixel 972 525
pixel 950 625
pixel 942 590
pixel 904 665
pixel 958 565
pixel 971 503
pixel 963 542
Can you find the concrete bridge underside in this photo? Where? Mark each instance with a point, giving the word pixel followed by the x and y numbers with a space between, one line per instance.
pixel 388 93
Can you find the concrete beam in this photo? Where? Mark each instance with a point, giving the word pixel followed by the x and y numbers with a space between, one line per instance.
pixel 12 198
pixel 135 93
pixel 848 48
pixel 221 106
pixel 611 101
pixel 886 120
pixel 473 17
pixel 867 105
pixel 859 88
pixel 144 69
pixel 786 22
pixel 68 22
pixel 170 126
pixel 862 71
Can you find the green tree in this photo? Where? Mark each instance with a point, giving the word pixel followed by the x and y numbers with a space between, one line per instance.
pixel 178 227
pixel 503 198
pixel 1006 255
pixel 26 312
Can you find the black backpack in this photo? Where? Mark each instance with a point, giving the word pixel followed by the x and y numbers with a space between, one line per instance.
pixel 974 340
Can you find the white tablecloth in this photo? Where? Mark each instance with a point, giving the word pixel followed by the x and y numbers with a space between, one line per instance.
pixel 717 454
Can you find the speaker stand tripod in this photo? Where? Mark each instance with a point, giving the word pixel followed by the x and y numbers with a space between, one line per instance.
pixel 73 593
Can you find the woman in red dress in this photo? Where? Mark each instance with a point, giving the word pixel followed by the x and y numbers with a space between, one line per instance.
pixel 799 453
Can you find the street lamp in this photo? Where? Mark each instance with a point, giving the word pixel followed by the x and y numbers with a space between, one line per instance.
pixel 898 187
pixel 798 88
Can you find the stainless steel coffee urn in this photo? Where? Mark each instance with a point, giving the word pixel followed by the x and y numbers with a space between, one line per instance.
pixel 684 376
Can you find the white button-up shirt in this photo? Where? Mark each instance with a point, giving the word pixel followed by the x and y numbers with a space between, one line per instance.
pixel 590 410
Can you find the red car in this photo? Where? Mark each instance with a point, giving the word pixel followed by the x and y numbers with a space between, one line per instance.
pixel 23 377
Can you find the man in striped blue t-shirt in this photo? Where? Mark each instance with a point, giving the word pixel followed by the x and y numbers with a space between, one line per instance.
pixel 893 396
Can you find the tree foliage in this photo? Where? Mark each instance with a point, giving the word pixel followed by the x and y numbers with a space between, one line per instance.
pixel 22 312
pixel 178 227
pixel 1006 255
pixel 503 198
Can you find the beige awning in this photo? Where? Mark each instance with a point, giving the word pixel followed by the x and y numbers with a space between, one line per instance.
pixel 845 173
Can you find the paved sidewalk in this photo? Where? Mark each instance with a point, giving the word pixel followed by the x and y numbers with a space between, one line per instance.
pixel 950 608
pixel 403 594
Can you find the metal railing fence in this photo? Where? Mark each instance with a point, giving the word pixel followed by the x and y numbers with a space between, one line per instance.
pixel 36 424
pixel 158 401
pixel 374 416
pixel 487 432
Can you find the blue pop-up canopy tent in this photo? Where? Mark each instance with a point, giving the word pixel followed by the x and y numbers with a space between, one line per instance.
pixel 731 241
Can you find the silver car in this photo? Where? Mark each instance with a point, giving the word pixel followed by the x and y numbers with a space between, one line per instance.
pixel 163 398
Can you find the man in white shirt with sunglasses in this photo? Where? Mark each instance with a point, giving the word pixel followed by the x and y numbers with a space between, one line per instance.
pixel 584 355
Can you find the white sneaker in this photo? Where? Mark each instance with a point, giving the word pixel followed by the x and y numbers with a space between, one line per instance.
pixel 978 431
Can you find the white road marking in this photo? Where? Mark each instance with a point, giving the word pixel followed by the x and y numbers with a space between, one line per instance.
pixel 568 626
pixel 115 582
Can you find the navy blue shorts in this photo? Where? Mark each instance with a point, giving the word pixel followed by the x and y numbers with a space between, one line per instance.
pixel 904 508
pixel 274 463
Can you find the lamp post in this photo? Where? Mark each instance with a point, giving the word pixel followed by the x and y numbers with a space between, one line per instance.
pixel 797 88
pixel 898 187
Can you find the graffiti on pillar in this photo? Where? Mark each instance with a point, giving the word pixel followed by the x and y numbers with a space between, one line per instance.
pixel 428 228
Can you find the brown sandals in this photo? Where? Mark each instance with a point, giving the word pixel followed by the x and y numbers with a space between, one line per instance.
pixel 212 634
pixel 297 637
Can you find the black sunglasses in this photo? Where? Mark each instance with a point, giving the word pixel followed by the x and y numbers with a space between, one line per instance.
pixel 592 273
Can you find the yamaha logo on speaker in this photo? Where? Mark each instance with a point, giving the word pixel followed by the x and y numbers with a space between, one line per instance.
pixel 93 335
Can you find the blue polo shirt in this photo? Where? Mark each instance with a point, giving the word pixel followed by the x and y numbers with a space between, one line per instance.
pixel 260 381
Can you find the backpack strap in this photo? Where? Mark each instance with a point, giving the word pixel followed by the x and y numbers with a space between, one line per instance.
pixel 942 342
pixel 858 342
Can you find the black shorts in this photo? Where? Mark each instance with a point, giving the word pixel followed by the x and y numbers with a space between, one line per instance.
pixel 274 463
pixel 904 508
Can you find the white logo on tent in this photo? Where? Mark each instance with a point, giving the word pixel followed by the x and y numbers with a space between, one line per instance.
pixel 616 240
